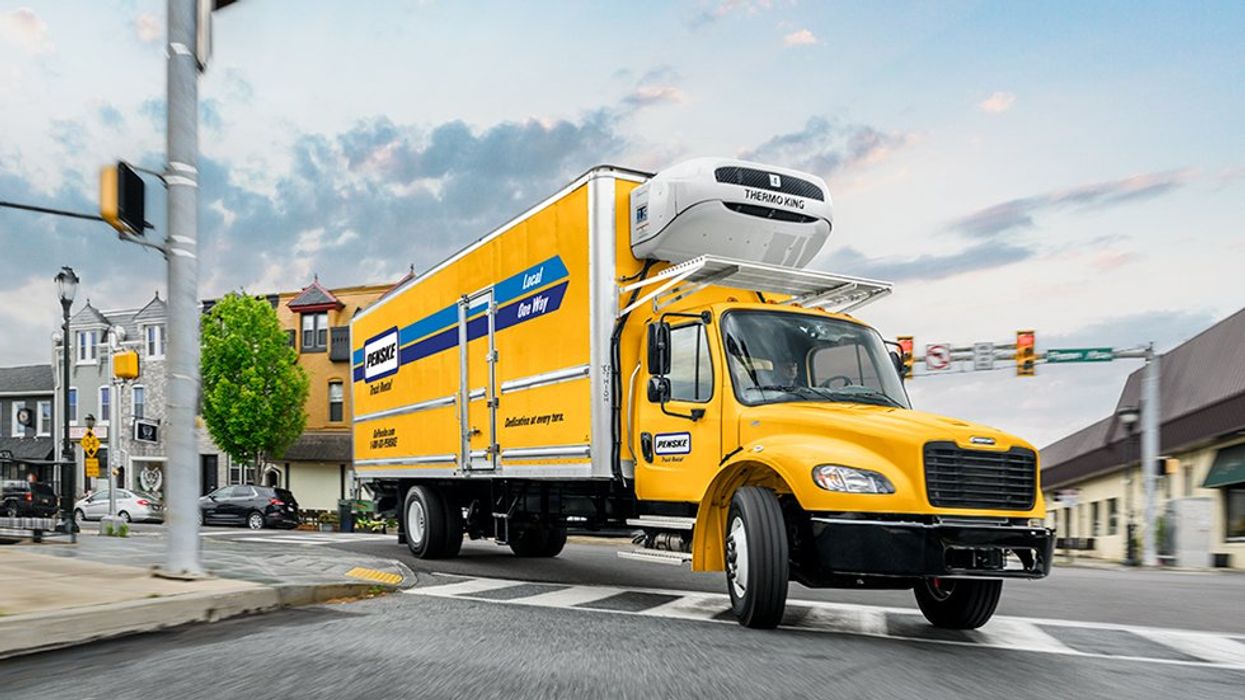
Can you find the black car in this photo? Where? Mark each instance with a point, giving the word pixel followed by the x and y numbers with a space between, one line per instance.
pixel 25 499
pixel 253 506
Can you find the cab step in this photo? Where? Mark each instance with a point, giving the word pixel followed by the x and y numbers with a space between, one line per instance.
pixel 658 556
pixel 662 522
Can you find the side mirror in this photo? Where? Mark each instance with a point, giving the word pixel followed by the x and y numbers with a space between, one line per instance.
pixel 659 348
pixel 897 360
pixel 658 390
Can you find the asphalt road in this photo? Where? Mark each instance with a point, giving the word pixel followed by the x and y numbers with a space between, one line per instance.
pixel 407 645
pixel 1200 601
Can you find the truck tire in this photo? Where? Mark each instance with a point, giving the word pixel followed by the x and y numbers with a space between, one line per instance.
pixel 428 523
pixel 757 567
pixel 453 527
pixel 539 542
pixel 958 604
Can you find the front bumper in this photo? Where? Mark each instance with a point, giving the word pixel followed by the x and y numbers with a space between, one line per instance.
pixel 889 548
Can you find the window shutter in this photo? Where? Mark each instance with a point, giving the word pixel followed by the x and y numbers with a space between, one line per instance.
pixel 339 346
pixel 291 336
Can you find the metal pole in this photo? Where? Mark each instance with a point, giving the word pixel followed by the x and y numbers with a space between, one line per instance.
pixel 181 175
pixel 114 441
pixel 68 463
pixel 1150 450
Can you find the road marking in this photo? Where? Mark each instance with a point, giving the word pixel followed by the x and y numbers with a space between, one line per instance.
pixel 375 575
pixel 317 538
pixel 1064 637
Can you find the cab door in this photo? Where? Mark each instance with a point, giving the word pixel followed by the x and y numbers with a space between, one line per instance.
pixel 677 437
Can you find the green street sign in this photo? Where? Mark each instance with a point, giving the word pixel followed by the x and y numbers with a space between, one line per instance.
pixel 1080 355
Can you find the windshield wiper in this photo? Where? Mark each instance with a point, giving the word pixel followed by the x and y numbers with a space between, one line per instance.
pixel 863 394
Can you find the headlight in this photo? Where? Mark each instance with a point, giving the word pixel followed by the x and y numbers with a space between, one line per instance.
pixel 836 477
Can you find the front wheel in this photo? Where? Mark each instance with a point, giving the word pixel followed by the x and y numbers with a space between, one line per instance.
pixel 78 516
pixel 433 525
pixel 757 567
pixel 958 604
pixel 539 542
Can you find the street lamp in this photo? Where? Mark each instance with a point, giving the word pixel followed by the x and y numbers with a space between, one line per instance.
pixel 66 287
pixel 1129 415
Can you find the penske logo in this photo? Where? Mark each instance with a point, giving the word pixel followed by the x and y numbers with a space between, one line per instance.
pixel 672 443
pixel 774 198
pixel 380 356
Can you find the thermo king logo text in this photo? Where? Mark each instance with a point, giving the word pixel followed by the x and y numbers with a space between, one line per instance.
pixel 381 356
pixel 772 198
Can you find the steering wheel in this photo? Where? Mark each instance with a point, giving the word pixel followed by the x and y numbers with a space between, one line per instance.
pixel 828 384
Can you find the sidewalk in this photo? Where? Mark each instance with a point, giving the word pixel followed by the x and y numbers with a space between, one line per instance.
pixel 55 595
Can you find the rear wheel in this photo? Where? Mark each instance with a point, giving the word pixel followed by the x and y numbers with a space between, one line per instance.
pixel 960 604
pixel 757 567
pixel 433 524
pixel 546 541
pixel 79 516
pixel 255 520
pixel 10 510
pixel 124 516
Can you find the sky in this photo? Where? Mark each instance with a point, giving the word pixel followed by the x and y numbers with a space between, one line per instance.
pixel 1074 168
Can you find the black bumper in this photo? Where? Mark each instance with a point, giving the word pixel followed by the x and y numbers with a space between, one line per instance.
pixel 916 550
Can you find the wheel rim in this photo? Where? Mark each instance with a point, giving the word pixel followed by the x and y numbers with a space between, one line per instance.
pixel 939 588
pixel 737 557
pixel 125 516
pixel 255 521
pixel 79 516
pixel 415 522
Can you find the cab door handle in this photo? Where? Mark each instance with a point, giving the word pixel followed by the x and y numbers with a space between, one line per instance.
pixel 646 446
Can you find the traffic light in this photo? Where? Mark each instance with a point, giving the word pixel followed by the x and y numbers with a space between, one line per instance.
pixel 905 350
pixel 1026 356
pixel 125 365
pixel 122 199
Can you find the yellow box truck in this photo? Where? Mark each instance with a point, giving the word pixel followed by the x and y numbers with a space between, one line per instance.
pixel 649 351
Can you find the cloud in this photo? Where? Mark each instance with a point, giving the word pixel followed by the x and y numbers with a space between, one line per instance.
pixel 997 103
pixel 148 28
pixel 802 37
pixel 981 256
pixel 25 29
pixel 1165 328
pixel 650 95
pixel 722 8
pixel 826 147
pixel 664 73
pixel 1021 213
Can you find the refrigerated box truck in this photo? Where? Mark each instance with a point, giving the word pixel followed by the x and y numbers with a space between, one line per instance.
pixel 650 351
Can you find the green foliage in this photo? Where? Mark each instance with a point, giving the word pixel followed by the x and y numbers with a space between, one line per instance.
pixel 254 391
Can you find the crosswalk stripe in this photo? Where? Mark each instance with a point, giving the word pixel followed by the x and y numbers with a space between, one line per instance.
pixel 1211 647
pixel 1114 641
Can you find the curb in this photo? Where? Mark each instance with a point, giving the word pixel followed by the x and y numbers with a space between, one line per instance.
pixel 31 633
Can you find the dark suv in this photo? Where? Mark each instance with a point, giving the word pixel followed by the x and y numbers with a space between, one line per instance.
pixel 253 506
pixel 25 499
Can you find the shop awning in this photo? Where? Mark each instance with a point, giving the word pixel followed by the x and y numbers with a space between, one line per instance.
pixel 1228 469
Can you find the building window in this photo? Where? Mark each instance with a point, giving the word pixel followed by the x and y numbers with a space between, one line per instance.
pixel 140 400
pixel 19 430
pixel 691 370
pixel 335 401
pixel 315 332
pixel 88 347
pixel 1187 479
pixel 154 336
pixel 1234 512
pixel 1096 527
pixel 1113 516
pixel 73 404
pixel 104 404
pixel 44 419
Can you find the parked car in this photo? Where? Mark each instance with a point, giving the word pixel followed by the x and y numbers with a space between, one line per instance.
pixel 132 506
pixel 25 499
pixel 253 506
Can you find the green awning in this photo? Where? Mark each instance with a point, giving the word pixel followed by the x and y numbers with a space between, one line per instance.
pixel 1228 469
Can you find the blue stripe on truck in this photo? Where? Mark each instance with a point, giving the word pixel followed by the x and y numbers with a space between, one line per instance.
pixel 511 288
pixel 533 306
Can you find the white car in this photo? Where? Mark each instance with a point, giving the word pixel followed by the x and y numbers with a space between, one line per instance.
pixel 132 506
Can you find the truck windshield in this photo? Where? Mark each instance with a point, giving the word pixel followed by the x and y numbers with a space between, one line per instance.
pixel 779 356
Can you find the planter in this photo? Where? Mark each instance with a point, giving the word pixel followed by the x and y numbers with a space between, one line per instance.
pixel 328 527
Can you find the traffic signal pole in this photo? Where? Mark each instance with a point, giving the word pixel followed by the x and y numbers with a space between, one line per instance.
pixel 181 176
pixel 1150 452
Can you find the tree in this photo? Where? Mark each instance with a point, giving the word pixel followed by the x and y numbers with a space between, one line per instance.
pixel 254 391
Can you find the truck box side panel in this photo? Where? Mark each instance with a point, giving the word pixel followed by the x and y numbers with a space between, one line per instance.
pixel 406 411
